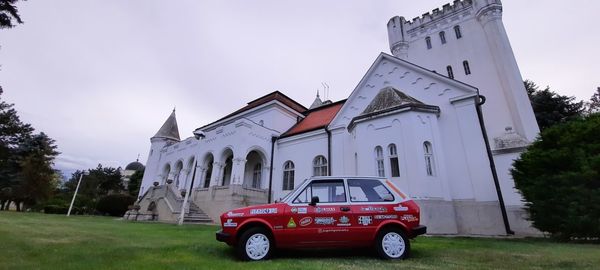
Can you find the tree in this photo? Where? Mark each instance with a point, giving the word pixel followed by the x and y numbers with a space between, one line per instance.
pixel 559 177
pixel 37 178
pixel 593 106
pixel 551 108
pixel 100 182
pixel 9 14
pixel 135 182
pixel 13 133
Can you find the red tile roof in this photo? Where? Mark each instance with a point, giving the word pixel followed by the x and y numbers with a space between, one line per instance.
pixel 315 119
pixel 262 100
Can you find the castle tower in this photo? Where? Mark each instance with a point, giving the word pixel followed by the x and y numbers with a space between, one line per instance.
pixel 166 135
pixel 466 41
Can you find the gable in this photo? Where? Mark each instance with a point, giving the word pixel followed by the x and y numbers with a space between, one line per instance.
pixel 417 82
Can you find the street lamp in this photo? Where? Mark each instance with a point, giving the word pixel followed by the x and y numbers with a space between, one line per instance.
pixel 77 189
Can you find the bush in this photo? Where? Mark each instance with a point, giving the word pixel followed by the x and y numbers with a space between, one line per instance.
pixel 559 177
pixel 114 204
pixel 56 209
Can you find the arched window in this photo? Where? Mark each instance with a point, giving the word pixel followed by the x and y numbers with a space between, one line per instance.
pixel 208 174
pixel 256 175
pixel 443 37
pixel 394 160
pixel 320 166
pixel 467 68
pixel 428 42
pixel 429 161
pixel 450 73
pixel 379 161
pixel 288 175
pixel 457 32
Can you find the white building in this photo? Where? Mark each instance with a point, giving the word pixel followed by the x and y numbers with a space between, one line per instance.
pixel 414 118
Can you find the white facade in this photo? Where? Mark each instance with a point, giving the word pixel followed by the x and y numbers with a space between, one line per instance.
pixel 403 121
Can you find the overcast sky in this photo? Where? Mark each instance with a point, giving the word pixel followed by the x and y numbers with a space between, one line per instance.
pixel 101 76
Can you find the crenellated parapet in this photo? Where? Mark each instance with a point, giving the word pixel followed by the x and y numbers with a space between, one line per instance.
pixel 402 31
pixel 436 14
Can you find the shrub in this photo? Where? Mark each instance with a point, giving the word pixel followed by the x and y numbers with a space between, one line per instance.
pixel 56 209
pixel 114 204
pixel 559 177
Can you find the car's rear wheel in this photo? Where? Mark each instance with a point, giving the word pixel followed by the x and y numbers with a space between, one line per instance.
pixel 392 244
pixel 255 244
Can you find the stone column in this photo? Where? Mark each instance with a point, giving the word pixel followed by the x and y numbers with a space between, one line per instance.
pixel 217 173
pixel 200 176
pixel 238 170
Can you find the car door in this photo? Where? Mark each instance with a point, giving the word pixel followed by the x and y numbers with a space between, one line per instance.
pixel 372 203
pixel 327 223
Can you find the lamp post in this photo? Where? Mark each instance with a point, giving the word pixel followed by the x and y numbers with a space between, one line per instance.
pixel 76 190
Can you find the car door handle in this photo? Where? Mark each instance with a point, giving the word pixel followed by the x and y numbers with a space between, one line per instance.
pixel 345 209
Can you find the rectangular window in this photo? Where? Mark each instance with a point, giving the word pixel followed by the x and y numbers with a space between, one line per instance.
pixel 329 191
pixel 395 167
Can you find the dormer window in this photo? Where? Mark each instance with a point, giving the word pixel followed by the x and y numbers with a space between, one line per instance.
pixel 428 42
pixel 443 37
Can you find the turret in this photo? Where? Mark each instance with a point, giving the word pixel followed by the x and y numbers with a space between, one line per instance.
pixel 166 135
pixel 398 44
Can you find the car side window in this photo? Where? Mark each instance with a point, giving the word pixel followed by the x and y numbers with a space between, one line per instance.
pixel 366 190
pixel 330 191
pixel 304 196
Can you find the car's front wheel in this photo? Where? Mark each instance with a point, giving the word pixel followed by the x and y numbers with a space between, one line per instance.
pixel 255 244
pixel 392 244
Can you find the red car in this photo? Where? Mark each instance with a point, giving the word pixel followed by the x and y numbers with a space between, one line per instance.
pixel 327 212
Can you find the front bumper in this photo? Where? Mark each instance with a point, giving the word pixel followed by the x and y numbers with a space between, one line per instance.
pixel 223 237
pixel 421 229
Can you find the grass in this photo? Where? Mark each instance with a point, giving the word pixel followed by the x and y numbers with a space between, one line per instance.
pixel 38 241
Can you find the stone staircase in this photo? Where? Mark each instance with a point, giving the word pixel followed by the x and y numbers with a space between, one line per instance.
pixel 196 216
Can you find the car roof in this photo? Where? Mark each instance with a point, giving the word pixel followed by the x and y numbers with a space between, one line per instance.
pixel 345 177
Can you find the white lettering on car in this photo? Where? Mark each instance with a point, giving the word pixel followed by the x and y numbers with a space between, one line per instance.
pixel 231 214
pixel 400 208
pixel 409 218
pixel 324 209
pixel 263 211
pixel 302 210
pixel 332 230
pixel 230 224
pixel 305 221
pixel 373 209
pixel 385 216
pixel 324 220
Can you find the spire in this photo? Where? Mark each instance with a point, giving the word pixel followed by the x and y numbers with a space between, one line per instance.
pixel 169 129
pixel 317 103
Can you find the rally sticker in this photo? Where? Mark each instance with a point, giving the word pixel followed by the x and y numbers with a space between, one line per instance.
pixel 263 211
pixel 344 221
pixel 324 220
pixel 400 208
pixel 409 218
pixel 302 210
pixel 324 209
pixel 291 223
pixel 305 221
pixel 230 224
pixel 373 209
pixel 365 220
pixel 231 214
pixel 385 216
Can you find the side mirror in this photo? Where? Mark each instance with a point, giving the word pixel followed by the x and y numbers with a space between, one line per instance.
pixel 314 200
pixel 388 198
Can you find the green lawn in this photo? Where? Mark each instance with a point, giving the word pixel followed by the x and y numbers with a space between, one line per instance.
pixel 37 241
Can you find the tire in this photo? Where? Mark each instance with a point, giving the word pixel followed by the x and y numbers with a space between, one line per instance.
pixel 255 244
pixel 392 244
